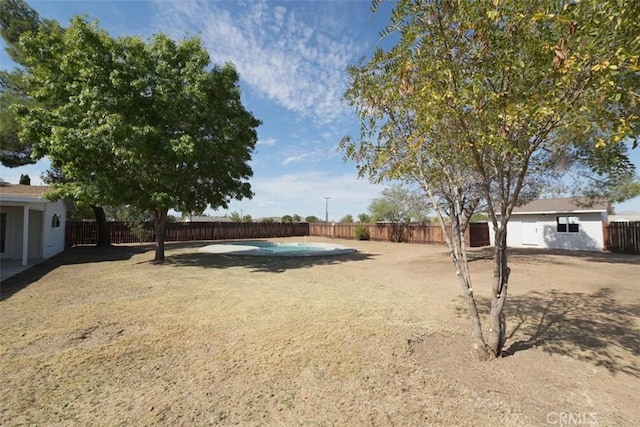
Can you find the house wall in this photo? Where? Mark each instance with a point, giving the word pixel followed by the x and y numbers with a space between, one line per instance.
pixel 44 241
pixel 53 237
pixel 520 231
pixel 540 231
pixel 34 247
pixel 13 247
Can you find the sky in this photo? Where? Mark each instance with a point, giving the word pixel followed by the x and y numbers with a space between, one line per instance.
pixel 291 57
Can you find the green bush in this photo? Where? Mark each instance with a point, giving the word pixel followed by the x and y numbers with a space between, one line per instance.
pixel 362 233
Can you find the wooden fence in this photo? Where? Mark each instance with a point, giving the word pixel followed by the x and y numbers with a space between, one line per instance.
pixel 622 237
pixel 477 234
pixel 86 232
pixel 618 236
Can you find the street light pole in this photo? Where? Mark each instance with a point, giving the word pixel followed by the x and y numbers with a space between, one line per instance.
pixel 326 209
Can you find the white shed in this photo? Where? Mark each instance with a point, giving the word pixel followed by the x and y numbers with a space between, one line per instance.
pixel 31 228
pixel 558 224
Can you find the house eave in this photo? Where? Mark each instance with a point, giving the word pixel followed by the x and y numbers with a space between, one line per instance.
pixel 9 198
pixel 577 211
pixel 19 200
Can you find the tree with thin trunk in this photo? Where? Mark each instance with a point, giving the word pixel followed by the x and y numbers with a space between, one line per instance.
pixel 364 218
pixel 347 219
pixel 396 206
pixel 149 124
pixel 486 101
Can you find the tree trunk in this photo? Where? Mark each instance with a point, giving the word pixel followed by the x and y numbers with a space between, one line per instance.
pixel 160 224
pixel 104 235
pixel 480 348
pixel 455 239
pixel 501 272
pixel 397 234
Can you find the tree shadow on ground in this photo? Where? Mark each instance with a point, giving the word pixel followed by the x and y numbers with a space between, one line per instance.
pixel 71 256
pixel 188 257
pixel 260 264
pixel 593 327
pixel 515 254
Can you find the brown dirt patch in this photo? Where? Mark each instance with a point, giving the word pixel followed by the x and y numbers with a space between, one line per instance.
pixel 380 337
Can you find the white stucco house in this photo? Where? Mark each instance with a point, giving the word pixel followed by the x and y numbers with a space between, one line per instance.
pixel 558 224
pixel 31 228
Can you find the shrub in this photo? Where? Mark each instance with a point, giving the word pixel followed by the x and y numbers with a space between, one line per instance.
pixel 362 233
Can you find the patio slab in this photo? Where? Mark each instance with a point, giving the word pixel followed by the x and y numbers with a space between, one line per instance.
pixel 11 267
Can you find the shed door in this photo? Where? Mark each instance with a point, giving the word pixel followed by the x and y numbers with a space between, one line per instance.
pixel 530 231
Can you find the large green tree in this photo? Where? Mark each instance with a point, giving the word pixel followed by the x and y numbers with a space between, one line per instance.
pixel 13 151
pixel 147 124
pixel 16 19
pixel 485 101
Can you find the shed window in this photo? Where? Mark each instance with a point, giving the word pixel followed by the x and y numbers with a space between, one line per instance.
pixel 55 220
pixel 567 224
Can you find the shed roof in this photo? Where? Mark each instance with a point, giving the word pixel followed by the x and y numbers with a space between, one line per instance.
pixel 568 204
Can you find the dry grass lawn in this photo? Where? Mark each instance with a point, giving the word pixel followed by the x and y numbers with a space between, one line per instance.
pixel 379 337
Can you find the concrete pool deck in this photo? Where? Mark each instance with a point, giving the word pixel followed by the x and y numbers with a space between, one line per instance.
pixel 305 249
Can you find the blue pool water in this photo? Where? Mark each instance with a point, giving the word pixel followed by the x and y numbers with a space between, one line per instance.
pixel 262 248
pixel 277 248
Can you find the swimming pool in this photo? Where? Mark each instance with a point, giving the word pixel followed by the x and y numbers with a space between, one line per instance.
pixel 266 248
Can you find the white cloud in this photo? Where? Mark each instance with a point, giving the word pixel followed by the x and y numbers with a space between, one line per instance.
pixel 311 152
pixel 292 159
pixel 269 142
pixel 278 54
pixel 302 185
pixel 304 193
